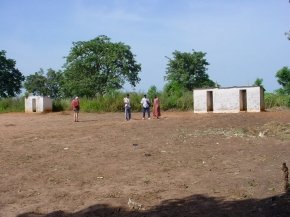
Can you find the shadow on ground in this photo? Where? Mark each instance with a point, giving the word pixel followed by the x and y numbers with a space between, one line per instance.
pixel 195 205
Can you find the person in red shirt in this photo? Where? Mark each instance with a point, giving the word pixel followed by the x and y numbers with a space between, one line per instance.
pixel 76 108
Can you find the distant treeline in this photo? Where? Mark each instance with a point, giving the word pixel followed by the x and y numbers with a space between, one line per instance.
pixel 113 102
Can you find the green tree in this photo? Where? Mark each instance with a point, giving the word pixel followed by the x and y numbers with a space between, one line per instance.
pixel 10 77
pixel 259 82
pixel 283 76
pixel 48 84
pixel 174 88
pixel 99 66
pixel 188 70
pixel 152 91
pixel 54 83
pixel 36 83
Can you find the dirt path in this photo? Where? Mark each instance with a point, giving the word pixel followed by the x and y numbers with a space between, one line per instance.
pixel 49 163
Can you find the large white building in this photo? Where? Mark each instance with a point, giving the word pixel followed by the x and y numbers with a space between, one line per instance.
pixel 38 104
pixel 230 99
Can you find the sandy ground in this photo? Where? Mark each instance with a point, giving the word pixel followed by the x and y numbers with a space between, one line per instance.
pixel 184 164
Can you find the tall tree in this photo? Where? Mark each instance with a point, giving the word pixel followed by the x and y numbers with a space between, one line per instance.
pixel 188 71
pixel 36 83
pixel 259 82
pixel 48 84
pixel 10 77
pixel 152 91
pixel 99 66
pixel 54 83
pixel 283 76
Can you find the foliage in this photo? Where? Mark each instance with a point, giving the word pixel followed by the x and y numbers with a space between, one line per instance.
pixel 10 77
pixel 187 71
pixel 113 102
pixel 152 92
pixel 102 103
pixel 181 100
pixel 174 88
pixel 99 66
pixel 36 83
pixel 44 85
pixel 12 105
pixel 273 100
pixel 283 76
pixel 259 82
pixel 54 83
pixel 61 105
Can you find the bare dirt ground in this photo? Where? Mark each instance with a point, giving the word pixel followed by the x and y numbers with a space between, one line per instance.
pixel 185 164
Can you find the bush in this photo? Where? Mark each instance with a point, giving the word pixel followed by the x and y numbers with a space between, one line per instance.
pixel 276 100
pixel 61 105
pixel 177 101
pixel 12 105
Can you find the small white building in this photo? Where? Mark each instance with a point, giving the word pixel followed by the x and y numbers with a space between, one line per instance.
pixel 38 104
pixel 230 99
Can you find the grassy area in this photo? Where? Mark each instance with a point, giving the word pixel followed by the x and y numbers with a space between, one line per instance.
pixel 12 105
pixel 275 100
pixel 114 102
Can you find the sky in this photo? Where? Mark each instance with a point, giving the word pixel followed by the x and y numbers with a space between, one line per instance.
pixel 243 39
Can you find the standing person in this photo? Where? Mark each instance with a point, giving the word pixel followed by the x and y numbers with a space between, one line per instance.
pixel 127 107
pixel 156 107
pixel 146 106
pixel 76 108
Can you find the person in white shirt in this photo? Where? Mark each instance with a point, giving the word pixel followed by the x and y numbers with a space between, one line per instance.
pixel 146 106
pixel 127 107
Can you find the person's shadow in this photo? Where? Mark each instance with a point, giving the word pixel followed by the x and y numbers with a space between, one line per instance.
pixel 193 206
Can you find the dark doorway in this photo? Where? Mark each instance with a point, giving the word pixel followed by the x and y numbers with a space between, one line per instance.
pixel 209 101
pixel 34 105
pixel 243 100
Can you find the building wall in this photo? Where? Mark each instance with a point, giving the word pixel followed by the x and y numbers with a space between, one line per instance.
pixel 226 100
pixel 253 99
pixel 47 104
pixel 230 99
pixel 200 101
pixel 38 104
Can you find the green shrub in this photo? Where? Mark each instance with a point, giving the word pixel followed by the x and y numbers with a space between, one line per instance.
pixel 177 101
pixel 12 105
pixel 276 100
pixel 61 105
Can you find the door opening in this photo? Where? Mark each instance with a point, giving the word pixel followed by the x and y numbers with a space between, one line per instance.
pixel 33 105
pixel 209 99
pixel 243 100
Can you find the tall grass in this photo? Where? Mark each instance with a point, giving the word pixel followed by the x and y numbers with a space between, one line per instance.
pixel 12 105
pixel 61 105
pixel 113 102
pixel 273 100
pixel 180 101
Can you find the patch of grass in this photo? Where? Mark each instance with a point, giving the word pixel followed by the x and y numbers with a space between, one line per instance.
pixel 113 102
pixel 12 105
pixel 273 100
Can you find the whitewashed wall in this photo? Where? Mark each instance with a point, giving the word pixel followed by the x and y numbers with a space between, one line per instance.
pixel 42 104
pixel 228 99
pixel 200 100
pixel 253 100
